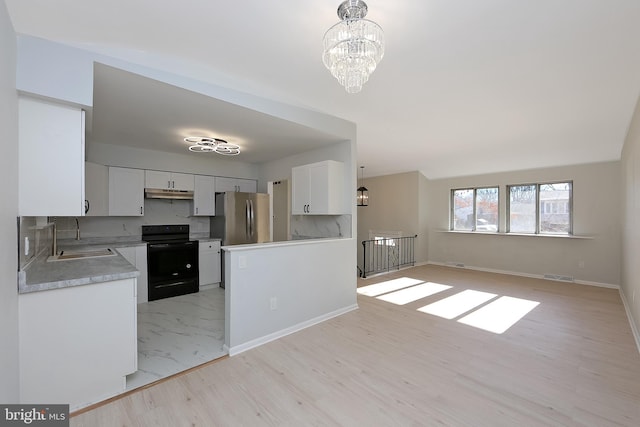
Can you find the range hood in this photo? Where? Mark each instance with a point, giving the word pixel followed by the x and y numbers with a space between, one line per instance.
pixel 163 193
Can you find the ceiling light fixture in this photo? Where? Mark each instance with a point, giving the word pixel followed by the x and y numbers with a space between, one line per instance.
pixel 202 144
pixel 362 197
pixel 354 47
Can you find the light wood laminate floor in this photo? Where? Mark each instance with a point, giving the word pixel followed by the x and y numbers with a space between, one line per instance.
pixel 570 361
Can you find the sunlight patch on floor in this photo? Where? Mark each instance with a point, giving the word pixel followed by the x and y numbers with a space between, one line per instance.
pixel 499 315
pixel 413 293
pixel 457 304
pixel 387 286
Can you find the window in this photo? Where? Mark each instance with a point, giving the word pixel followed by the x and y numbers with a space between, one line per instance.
pixel 540 208
pixel 474 209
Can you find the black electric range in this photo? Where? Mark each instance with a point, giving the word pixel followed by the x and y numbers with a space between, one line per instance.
pixel 172 261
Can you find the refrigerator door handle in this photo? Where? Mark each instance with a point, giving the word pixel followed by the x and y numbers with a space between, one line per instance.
pixel 252 222
pixel 247 215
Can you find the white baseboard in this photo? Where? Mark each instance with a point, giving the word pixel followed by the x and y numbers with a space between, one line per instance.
pixel 517 273
pixel 634 329
pixel 237 349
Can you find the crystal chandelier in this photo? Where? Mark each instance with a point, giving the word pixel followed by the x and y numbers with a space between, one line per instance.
pixel 353 47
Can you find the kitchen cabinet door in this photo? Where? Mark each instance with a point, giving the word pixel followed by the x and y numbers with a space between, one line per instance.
pixel 224 184
pixel 182 181
pixel 50 158
pixel 247 185
pixel 204 196
pixel 318 189
pixel 88 337
pixel 168 180
pixel 96 189
pixel 157 179
pixel 209 261
pixel 126 192
pixel 137 256
pixel 300 190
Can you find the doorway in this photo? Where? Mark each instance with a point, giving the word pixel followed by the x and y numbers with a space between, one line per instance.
pixel 281 207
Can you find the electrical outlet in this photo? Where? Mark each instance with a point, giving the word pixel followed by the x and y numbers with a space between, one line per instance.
pixel 273 303
pixel 581 264
pixel 242 261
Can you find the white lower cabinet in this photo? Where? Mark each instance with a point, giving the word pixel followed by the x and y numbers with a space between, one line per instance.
pixel 137 256
pixel 77 344
pixel 209 262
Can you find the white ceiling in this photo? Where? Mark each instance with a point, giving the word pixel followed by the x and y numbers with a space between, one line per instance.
pixel 465 87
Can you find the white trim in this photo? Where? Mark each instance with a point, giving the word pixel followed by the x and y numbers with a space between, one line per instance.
pixel 634 329
pixel 534 276
pixel 237 349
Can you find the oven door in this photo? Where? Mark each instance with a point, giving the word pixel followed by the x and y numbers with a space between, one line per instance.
pixel 172 269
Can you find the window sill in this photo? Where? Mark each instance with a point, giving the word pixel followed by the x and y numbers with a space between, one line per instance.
pixel 492 233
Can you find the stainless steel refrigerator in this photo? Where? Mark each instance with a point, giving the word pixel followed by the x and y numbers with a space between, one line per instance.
pixel 241 218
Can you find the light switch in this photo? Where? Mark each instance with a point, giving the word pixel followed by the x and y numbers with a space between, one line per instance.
pixel 242 261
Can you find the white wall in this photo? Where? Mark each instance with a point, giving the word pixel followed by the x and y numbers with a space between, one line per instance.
pixel 396 203
pixel 9 381
pixel 596 201
pixel 631 222
pixel 305 292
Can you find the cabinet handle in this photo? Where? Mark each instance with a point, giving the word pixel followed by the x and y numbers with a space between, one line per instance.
pixel 168 184
pixel 140 210
pixel 197 210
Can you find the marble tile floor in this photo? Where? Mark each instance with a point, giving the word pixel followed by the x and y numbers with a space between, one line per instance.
pixel 175 334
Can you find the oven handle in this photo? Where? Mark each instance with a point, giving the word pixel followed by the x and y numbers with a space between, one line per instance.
pixel 168 285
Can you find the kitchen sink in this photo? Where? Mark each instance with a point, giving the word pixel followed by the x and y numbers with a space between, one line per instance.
pixel 70 255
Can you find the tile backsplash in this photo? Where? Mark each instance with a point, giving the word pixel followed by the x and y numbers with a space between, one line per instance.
pixel 320 226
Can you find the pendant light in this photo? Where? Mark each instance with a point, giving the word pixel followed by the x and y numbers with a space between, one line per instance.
pixel 362 197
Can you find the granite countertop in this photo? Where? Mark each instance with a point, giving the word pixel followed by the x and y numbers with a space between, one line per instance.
pixel 41 275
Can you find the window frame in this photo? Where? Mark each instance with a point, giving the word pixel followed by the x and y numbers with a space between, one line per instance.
pixel 538 209
pixel 475 213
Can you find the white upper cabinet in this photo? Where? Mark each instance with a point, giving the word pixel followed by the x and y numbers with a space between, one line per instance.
pixel 126 192
pixel 168 180
pixel 318 189
pixel 224 184
pixel 204 195
pixel 51 158
pixel 96 189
